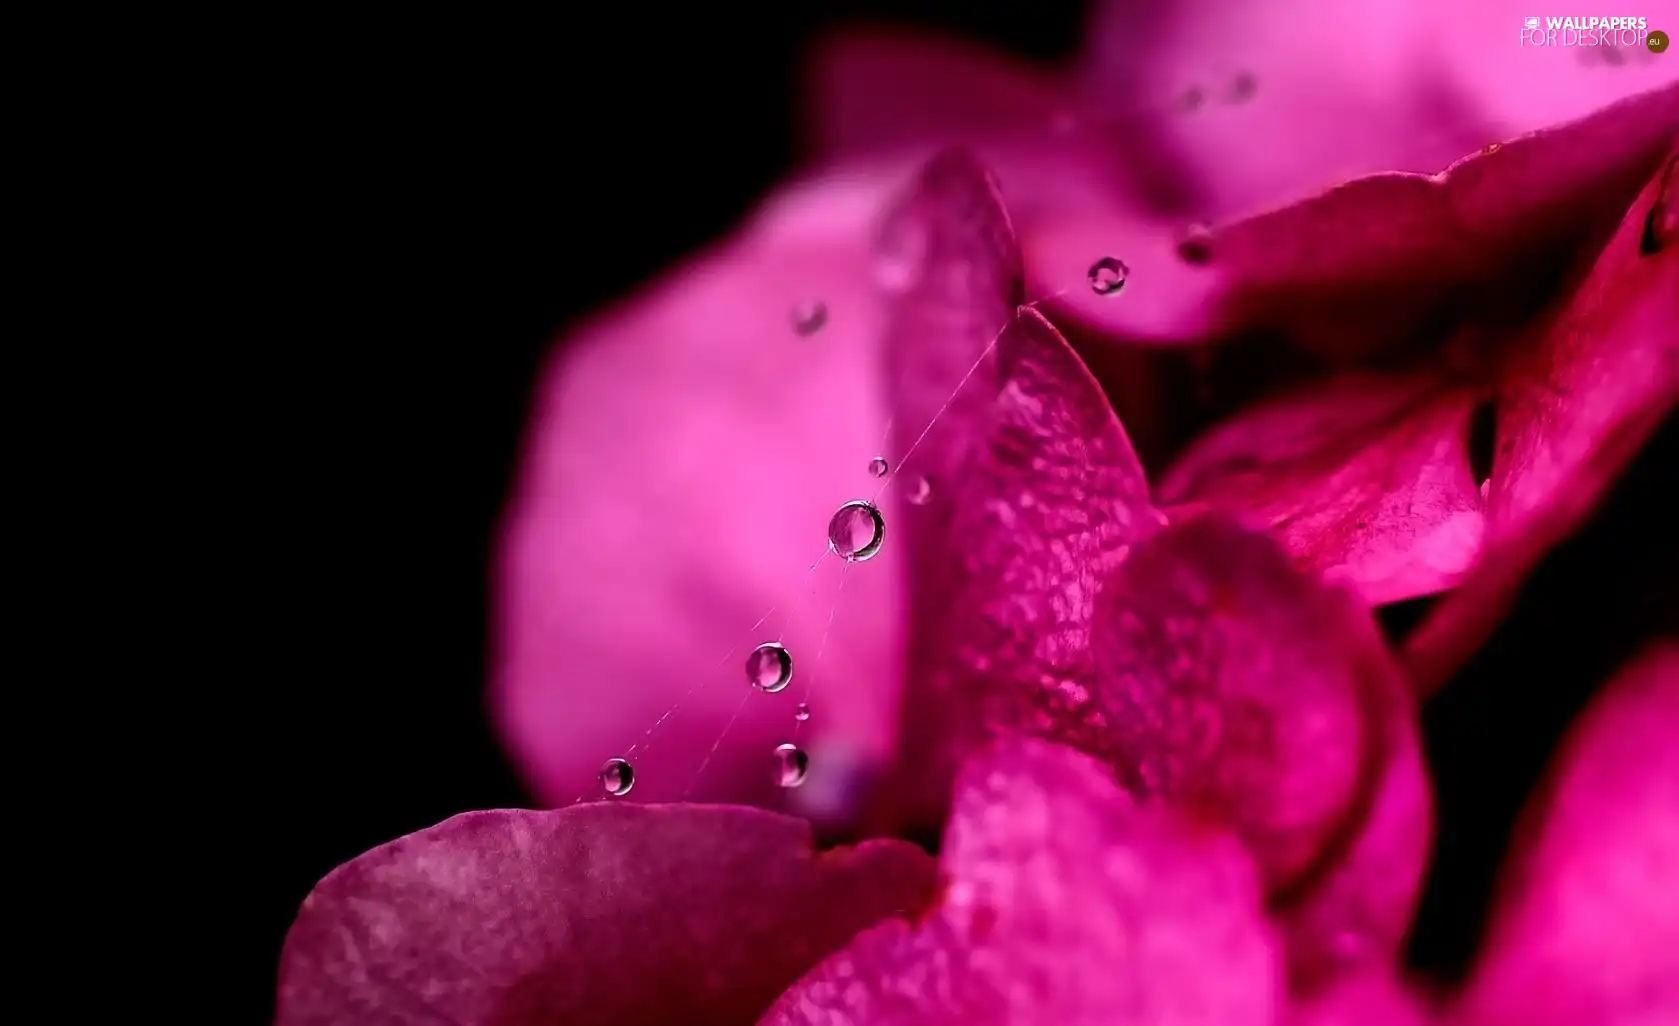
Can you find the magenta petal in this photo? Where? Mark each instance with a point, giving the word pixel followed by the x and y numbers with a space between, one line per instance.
pixel 1063 903
pixel 1573 414
pixel 1366 479
pixel 1035 491
pixel 600 914
pixel 1234 684
pixel 886 91
pixel 1370 999
pixel 1587 929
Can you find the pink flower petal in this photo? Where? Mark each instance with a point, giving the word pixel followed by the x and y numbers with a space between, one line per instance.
pixel 1481 52
pixel 1035 491
pixel 1366 479
pixel 1236 685
pixel 1372 999
pixel 599 913
pixel 1381 264
pixel 1248 105
pixel 1063 903
pixel 1573 414
pixel 1587 928
pixel 686 453
pixel 875 91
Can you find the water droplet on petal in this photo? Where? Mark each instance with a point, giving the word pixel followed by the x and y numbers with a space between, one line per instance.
pixel 1195 245
pixel 1486 488
pixel 802 713
pixel 790 765
pixel 878 467
pixel 856 531
pixel 770 667
pixel 809 317
pixel 1107 276
pixel 617 777
pixel 920 490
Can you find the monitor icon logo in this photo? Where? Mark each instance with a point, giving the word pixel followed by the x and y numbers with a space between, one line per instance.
pixel 1531 23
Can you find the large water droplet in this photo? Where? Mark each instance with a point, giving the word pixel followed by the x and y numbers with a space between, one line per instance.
pixel 856 531
pixel 770 667
pixel 878 467
pixel 920 490
pixel 802 713
pixel 1107 276
pixel 809 317
pixel 790 765
pixel 617 777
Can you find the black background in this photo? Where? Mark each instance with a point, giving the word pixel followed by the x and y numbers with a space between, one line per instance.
pixel 439 200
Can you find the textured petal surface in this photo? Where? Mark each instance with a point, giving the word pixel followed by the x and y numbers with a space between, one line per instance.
pixel 1235 685
pixel 687 452
pixel 1063 903
pixel 1587 929
pixel 1373 999
pixel 1034 491
pixel 600 914
pixel 1366 479
pixel 1573 413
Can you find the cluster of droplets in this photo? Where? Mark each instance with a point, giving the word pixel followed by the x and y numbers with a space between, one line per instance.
pixel 855 533
pixel 857 530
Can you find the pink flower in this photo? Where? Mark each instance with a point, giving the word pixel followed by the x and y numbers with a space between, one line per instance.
pixel 1175 767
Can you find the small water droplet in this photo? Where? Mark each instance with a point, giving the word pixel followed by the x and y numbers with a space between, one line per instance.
pixel 1195 245
pixel 802 713
pixel 770 667
pixel 878 467
pixel 856 531
pixel 1490 148
pixel 809 317
pixel 617 777
pixel 1486 488
pixel 920 490
pixel 790 765
pixel 1242 87
pixel 1107 276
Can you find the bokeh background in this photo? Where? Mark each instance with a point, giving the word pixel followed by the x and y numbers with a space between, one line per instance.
pixel 481 186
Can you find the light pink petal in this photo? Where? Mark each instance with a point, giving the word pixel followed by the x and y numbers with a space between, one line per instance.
pixel 1366 479
pixel 1586 929
pixel 1572 415
pixel 1234 684
pixel 1517 86
pixel 686 452
pixel 1381 264
pixel 600 914
pixel 1063 903
pixel 1034 491
pixel 1238 105
pixel 875 91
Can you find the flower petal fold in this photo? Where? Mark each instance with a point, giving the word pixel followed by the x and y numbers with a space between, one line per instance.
pixel 1234 684
pixel 1573 413
pixel 604 914
pixel 1063 902
pixel 1366 479
pixel 1586 929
